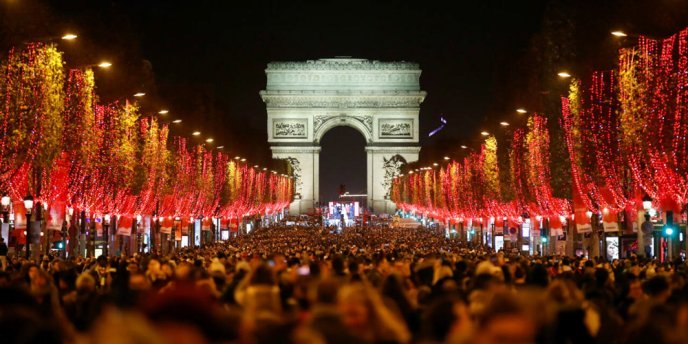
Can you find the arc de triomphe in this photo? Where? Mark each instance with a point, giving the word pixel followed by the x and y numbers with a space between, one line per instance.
pixel 379 99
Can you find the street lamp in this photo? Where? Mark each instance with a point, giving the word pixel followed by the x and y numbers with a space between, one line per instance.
pixel 177 121
pixel 484 133
pixel 619 33
pixel 106 234
pixel 521 110
pixel 647 202
pixel 564 75
pixel 69 37
pixel 178 221
pixel 5 202
pixel 105 65
pixel 504 124
pixel 28 205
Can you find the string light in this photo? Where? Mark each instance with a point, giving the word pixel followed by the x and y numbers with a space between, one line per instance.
pixel 109 159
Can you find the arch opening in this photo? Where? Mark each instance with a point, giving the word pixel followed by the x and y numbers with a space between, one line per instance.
pixel 343 162
pixel 343 121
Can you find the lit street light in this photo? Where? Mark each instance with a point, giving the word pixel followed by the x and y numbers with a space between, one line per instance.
pixel 209 140
pixel 564 75
pixel 521 110
pixel 647 202
pixel 105 65
pixel 5 203
pixel 504 124
pixel 196 133
pixel 464 147
pixel 484 133
pixel 69 37
pixel 139 94
pixel 177 121
pixel 28 205
pixel 163 112
pixel 446 157
pixel 619 33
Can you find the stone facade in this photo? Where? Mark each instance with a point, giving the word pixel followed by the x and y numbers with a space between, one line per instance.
pixel 381 100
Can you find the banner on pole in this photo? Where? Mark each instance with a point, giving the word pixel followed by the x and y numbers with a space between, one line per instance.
pixel 610 220
pixel 124 224
pixel 556 228
pixel 56 216
pixel 145 227
pixel 166 225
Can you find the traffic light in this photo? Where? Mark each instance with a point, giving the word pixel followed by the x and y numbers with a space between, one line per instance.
pixel 544 240
pixel 669 227
pixel 58 245
pixel 668 231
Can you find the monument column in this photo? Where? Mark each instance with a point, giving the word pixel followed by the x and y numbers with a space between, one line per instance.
pixel 369 178
pixel 384 162
pixel 304 161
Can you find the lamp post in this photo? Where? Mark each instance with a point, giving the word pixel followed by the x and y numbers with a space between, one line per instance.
pixel 28 205
pixel 5 202
pixel 594 245
pixel 139 237
pixel 70 212
pixel 192 232
pixel 154 233
pixel 106 234
pixel 178 220
pixel 83 237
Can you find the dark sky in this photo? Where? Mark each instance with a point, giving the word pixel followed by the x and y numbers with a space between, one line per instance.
pixel 205 60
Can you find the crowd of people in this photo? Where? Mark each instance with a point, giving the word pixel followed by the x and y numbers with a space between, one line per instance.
pixel 361 285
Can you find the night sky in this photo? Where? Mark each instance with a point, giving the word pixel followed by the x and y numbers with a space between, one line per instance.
pixel 205 60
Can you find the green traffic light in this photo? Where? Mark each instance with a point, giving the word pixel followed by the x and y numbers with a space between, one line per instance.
pixel 668 231
pixel 544 240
